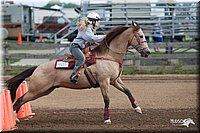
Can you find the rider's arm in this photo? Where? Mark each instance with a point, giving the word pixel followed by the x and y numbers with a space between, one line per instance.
pixel 90 37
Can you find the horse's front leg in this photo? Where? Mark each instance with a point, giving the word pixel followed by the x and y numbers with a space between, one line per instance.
pixel 118 83
pixel 104 91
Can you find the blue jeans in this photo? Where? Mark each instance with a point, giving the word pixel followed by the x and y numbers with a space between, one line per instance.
pixel 76 51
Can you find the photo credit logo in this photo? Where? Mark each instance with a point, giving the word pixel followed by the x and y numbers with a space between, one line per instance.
pixel 182 122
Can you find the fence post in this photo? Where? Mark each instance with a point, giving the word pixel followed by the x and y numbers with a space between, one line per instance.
pixel 173 19
pixel 55 43
pixel 137 60
pixel 126 13
pixel 6 55
pixel 84 7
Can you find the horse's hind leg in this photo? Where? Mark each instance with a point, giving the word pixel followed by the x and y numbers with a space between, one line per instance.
pixel 118 83
pixel 29 96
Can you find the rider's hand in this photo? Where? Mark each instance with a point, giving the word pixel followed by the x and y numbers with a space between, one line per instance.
pixel 88 44
pixel 96 43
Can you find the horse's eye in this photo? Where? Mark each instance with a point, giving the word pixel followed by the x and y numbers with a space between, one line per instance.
pixel 141 36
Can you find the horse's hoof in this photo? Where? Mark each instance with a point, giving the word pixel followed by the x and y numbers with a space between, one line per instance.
pixel 107 121
pixel 16 119
pixel 74 78
pixel 138 110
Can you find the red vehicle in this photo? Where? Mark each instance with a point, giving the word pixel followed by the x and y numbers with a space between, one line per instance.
pixel 52 24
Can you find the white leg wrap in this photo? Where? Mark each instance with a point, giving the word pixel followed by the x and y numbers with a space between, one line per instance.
pixel 15 115
pixel 107 121
pixel 138 110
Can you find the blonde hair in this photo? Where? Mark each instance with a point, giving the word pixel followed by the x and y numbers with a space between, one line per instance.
pixel 84 23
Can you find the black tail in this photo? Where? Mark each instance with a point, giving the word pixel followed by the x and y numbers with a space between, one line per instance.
pixel 14 82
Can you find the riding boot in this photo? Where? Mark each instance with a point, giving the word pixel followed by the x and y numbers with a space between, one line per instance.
pixel 74 78
pixel 75 74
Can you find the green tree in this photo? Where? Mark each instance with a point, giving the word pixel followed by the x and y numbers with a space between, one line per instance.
pixel 63 4
pixel 52 3
pixel 70 5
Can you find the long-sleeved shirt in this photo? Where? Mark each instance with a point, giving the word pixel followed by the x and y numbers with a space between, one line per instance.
pixel 87 36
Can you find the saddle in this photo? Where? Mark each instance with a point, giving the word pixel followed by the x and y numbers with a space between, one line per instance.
pixel 69 62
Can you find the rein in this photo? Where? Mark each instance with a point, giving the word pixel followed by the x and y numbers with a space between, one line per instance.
pixel 135 34
pixel 115 52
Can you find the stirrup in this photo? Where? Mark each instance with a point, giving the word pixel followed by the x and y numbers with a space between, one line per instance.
pixel 74 78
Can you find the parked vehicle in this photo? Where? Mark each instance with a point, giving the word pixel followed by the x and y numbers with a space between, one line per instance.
pixel 16 19
pixel 20 19
pixel 52 24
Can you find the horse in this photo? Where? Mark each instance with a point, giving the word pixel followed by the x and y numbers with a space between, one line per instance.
pixel 107 70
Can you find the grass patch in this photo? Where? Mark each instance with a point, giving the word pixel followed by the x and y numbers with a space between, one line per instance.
pixel 126 71
pixel 13 60
pixel 176 71
pixel 13 71
pixel 161 53
pixel 25 48
pixel 30 42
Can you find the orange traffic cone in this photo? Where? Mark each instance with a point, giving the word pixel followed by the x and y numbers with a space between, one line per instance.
pixel 41 38
pixel 28 112
pixel 6 124
pixel 10 110
pixel 8 115
pixel 19 41
pixel 21 112
pixel 25 111
pixel 1 111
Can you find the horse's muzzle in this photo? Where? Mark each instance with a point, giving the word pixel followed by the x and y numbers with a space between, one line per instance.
pixel 145 53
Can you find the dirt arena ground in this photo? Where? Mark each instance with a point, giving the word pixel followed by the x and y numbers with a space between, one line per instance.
pixel 162 99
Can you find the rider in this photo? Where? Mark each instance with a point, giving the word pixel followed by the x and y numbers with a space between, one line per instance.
pixel 86 29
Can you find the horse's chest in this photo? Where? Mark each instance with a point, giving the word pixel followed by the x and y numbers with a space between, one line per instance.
pixel 105 70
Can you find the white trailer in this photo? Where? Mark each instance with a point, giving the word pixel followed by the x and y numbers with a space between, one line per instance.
pixel 17 19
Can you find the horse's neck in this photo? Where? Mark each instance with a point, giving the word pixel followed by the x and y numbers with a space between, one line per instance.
pixel 118 46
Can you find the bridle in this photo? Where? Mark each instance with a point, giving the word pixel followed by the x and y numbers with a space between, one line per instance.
pixel 135 34
pixel 139 40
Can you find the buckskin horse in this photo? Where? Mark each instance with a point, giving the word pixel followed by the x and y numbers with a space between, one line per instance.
pixel 107 70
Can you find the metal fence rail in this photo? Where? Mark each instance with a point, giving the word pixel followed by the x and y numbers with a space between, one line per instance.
pixel 175 19
pixel 179 59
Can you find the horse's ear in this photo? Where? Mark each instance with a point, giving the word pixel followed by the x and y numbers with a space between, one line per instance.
pixel 133 23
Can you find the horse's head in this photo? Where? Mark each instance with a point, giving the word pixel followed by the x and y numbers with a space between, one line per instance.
pixel 138 40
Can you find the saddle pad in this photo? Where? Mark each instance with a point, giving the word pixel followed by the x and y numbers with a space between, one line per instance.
pixel 61 64
pixel 64 64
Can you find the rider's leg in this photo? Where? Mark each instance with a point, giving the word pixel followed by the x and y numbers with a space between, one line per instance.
pixel 79 56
